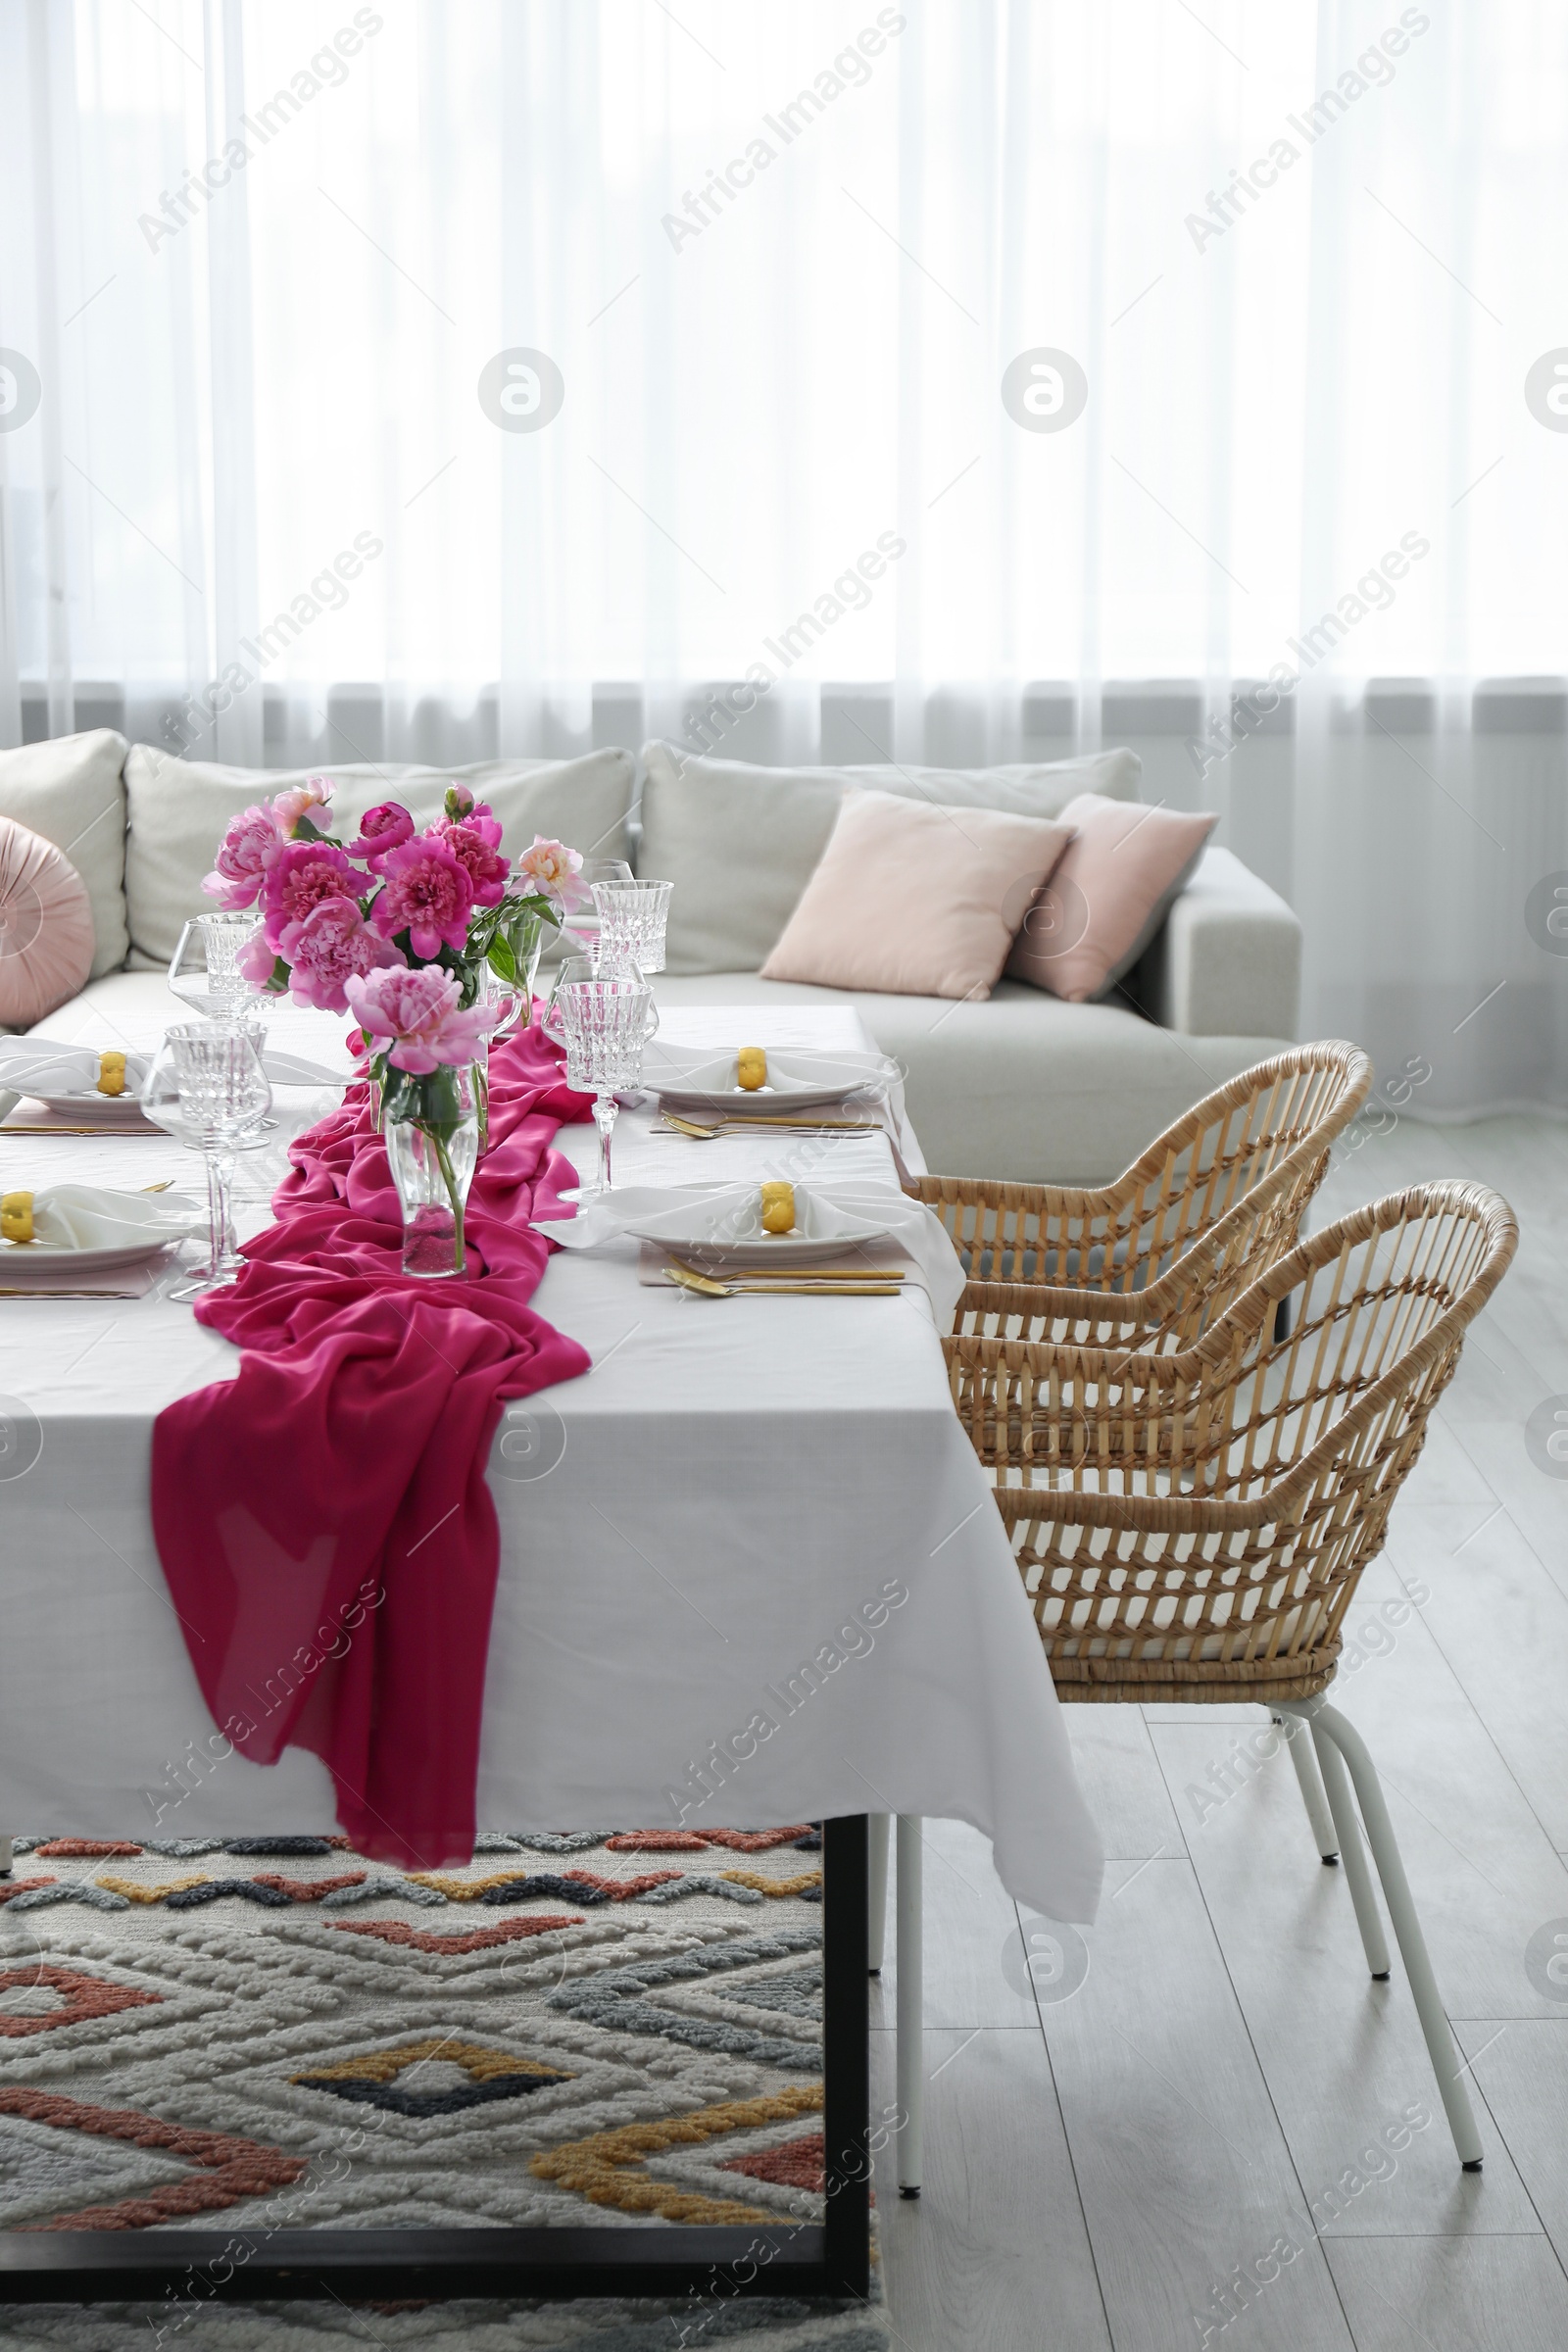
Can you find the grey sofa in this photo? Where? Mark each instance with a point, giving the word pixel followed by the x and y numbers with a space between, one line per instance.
pixel 1022 1086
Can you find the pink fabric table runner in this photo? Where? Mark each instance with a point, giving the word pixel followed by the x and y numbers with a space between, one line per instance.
pixel 323 1518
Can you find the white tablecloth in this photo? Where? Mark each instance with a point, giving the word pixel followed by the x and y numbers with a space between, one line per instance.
pixel 749 1571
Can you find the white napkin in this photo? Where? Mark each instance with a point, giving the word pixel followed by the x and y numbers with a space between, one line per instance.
pixel 292 1069
pixel 89 1216
pixel 41 1065
pixel 645 1209
pixel 672 1069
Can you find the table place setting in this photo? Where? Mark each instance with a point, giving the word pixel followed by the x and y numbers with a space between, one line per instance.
pixel 702 1094
pixel 756 1082
pixel 88 1090
pixel 81 1240
pixel 844 1238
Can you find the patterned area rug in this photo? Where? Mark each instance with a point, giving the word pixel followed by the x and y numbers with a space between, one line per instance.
pixel 255 2034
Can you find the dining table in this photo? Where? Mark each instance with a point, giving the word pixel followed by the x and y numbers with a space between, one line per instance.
pixel 750 1571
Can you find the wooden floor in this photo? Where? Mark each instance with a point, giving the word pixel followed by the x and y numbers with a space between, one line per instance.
pixel 1226 2093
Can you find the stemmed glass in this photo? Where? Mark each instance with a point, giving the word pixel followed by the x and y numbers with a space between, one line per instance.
pixel 582 923
pixel 214 984
pixel 631 924
pixel 604 1019
pixel 207 1086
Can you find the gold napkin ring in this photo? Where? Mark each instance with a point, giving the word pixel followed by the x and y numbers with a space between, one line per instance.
pixel 110 1073
pixel 16 1217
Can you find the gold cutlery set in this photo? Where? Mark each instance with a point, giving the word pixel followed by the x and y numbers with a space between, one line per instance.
pixel 701 1131
pixel 807 1282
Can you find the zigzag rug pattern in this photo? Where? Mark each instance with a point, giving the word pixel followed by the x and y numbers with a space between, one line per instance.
pixel 270 2032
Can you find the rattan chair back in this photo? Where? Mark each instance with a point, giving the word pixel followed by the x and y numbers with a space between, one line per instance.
pixel 1237 1170
pixel 1192 1524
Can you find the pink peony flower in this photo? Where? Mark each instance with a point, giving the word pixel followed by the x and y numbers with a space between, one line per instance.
pixel 289 807
pixel 460 801
pixel 249 847
pixel 385 827
pixel 255 959
pixel 552 869
pixel 332 945
pixel 427 893
pixel 300 877
pixel 470 843
pixel 415 1017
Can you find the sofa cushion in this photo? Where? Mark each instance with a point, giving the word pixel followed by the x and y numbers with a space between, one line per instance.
pixel 177 809
pixel 46 934
pixel 917 901
pixel 1108 897
pixel 69 790
pixel 1022 1086
pixel 740 843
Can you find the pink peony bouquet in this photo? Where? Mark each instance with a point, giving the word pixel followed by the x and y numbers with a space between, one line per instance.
pixel 400 926
pixel 395 898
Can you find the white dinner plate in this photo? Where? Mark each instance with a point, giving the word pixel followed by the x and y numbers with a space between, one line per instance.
pixel 17 1257
pixel 689 1080
pixel 709 1236
pixel 114 1111
pixel 133 1229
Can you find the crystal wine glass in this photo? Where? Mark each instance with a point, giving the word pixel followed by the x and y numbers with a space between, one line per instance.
pixel 581 925
pixel 604 1019
pixel 631 924
pixel 207 1086
pixel 203 970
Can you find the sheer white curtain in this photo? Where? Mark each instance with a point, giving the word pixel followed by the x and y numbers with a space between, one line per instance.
pixel 927 375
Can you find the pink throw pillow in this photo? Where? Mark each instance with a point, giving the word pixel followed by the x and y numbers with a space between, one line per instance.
pixel 911 899
pixel 1109 895
pixel 46 935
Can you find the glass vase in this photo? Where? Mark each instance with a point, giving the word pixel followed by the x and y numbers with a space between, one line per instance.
pixel 431 1126
pixel 527 938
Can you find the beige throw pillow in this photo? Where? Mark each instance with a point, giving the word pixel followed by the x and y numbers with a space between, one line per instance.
pixel 1109 895
pixel 741 841
pixel 915 900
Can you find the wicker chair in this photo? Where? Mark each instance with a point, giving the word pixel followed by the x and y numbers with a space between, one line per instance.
pixel 1236 1172
pixel 1191 1525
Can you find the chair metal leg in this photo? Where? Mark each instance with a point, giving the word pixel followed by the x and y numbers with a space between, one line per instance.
pixel 876 1856
pixel 911 2007
pixel 1444 2056
pixel 1353 1853
pixel 1324 1832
